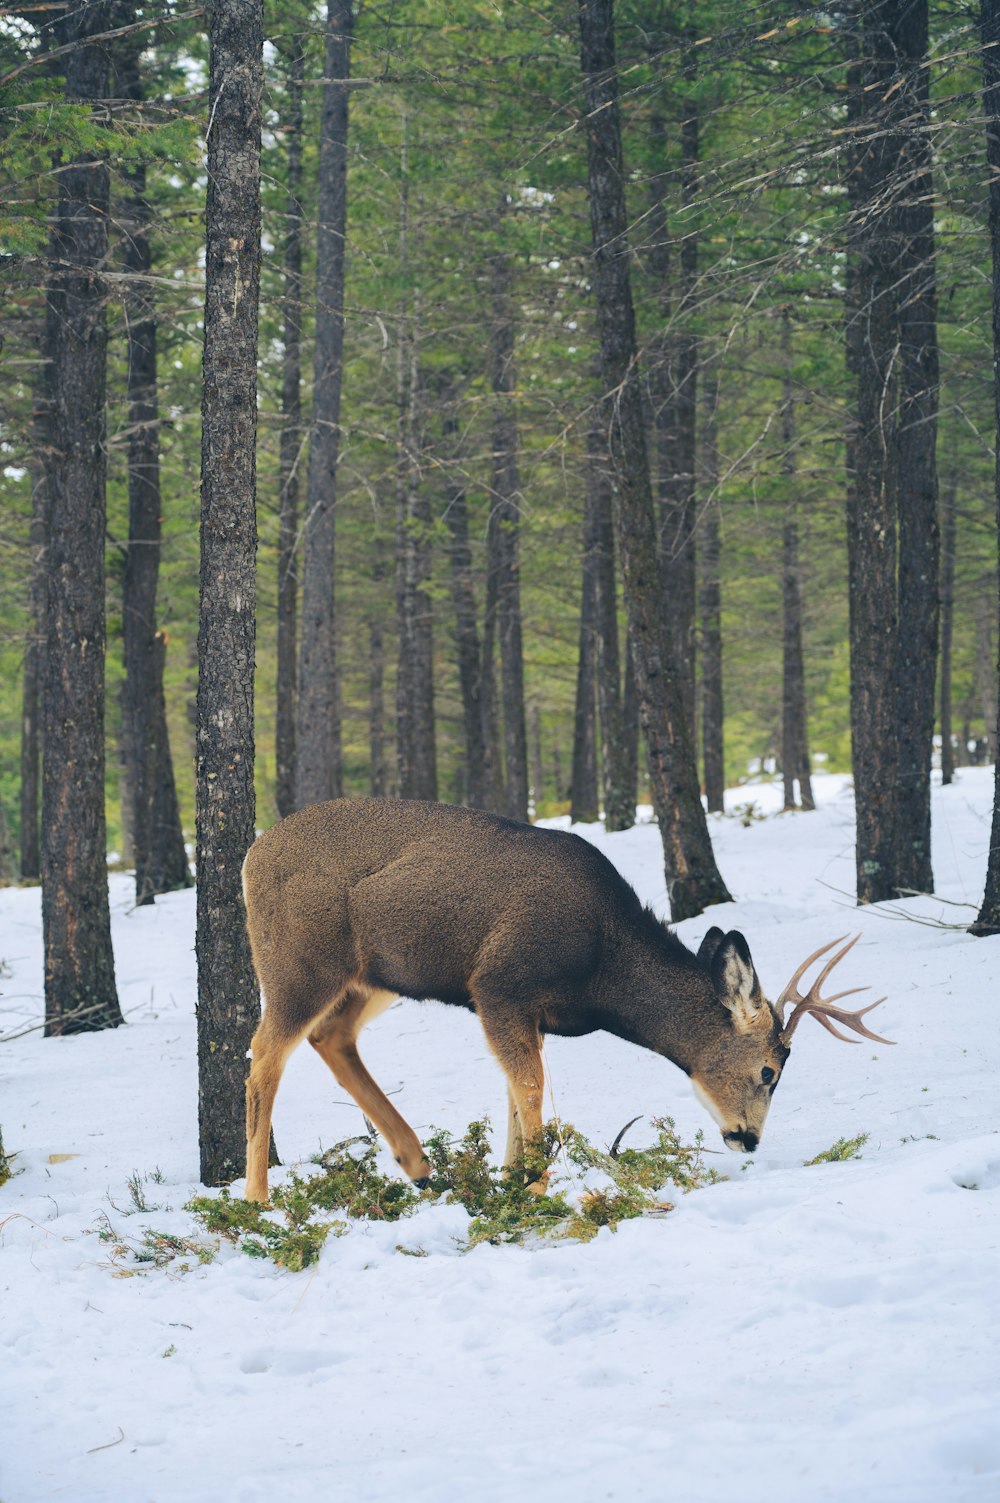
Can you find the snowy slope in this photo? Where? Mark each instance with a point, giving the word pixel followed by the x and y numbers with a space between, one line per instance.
pixel 792 1334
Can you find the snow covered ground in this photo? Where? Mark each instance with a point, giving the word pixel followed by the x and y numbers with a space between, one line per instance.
pixel 795 1333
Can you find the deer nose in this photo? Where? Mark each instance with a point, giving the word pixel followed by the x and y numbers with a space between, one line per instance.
pixel 750 1141
pixel 747 1141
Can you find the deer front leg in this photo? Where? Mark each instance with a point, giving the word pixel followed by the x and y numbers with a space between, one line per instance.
pixel 516 1043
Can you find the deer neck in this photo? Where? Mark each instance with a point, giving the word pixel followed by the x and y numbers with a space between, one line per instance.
pixel 662 1004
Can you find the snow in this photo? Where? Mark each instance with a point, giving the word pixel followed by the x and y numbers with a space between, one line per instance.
pixel 794 1333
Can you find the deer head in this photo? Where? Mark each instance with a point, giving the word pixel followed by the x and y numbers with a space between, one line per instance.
pixel 738 1066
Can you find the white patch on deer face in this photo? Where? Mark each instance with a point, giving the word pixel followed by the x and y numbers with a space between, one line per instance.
pixel 707 1102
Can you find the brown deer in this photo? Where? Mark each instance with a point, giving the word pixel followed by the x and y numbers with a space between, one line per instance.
pixel 354 903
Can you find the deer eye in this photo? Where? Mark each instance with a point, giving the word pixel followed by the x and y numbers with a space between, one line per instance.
pixel 767 1075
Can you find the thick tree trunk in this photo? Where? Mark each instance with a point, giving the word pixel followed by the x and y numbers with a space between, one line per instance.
pixel 947 616
pixel 318 768
pixel 34 661
pixel 871 509
pixel 712 732
pixel 228 1007
pixel 693 879
pixel 583 798
pixel 618 769
pixel 80 992
pixel 916 465
pixel 794 733
pixel 505 524
pixel 291 440
pixel 893 351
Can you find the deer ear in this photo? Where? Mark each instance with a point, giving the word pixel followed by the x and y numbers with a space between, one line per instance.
pixel 736 980
pixel 709 945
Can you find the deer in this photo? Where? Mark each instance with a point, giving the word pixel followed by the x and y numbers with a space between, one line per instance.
pixel 354 903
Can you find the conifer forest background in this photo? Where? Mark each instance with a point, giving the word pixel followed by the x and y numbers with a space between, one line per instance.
pixel 460 206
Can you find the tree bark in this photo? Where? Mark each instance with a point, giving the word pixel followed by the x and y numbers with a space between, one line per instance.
pixel 378 780
pixel 80 992
pixel 947 616
pixel 712 719
pixel 693 879
pixel 291 439
pixel 986 680
pixel 416 760
pixel 916 465
pixel 157 847
pixel 416 756
pixel 478 762
pixel 169 860
pixel 34 658
pixel 871 510
pixel 505 524
pixel 583 799
pixel 618 767
pixel 228 1007
pixel 679 541
pixel 794 731
pixel 318 767
pixel 537 763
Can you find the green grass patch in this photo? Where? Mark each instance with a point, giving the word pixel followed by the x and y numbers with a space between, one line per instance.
pixel 844 1148
pixel 503 1207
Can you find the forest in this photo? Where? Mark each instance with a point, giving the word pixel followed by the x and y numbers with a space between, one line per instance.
pixel 586 413
pixel 535 407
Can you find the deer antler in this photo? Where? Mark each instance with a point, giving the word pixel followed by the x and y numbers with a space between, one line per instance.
pixel 823 1010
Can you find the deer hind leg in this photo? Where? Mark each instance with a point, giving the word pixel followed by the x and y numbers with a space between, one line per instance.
pixel 518 1048
pixel 334 1038
pixel 270 1053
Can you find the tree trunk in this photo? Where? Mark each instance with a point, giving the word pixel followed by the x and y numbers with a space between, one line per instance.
pixel 157 851
pixel 794 733
pixel 630 724
pixel 291 439
pixel 947 616
pixel 537 764
pixel 617 767
pixel 34 660
pixel 80 992
pixel 318 768
pixel 505 524
pixel 228 1007
pixel 378 779
pixel 673 383
pixel 583 799
pixel 467 648
pixel 169 857
pixel 916 465
pixel 986 679
pixel 871 511
pixel 712 720
pixel 693 879
pixel 679 542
